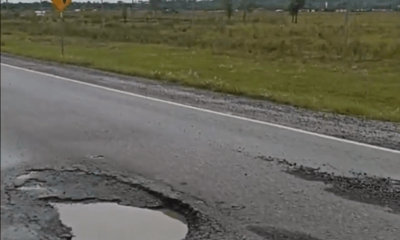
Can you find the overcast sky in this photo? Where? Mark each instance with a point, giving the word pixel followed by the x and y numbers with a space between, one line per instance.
pixel 113 1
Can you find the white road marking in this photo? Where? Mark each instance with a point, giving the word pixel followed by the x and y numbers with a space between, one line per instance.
pixel 209 111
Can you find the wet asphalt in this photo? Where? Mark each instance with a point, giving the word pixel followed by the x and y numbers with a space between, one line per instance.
pixel 235 179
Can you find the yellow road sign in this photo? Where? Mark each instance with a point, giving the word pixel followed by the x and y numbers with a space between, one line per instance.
pixel 61 4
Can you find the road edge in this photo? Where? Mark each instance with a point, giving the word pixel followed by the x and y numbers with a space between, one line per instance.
pixel 42 67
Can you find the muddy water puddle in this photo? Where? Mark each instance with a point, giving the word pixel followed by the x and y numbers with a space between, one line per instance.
pixel 107 221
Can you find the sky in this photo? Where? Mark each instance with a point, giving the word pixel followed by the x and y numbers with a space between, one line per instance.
pixel 112 1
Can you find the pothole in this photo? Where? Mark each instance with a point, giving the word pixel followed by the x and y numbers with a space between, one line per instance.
pixel 378 191
pixel 98 205
pixel 104 221
pixel 96 156
pixel 278 233
pixel 22 179
pixel 32 188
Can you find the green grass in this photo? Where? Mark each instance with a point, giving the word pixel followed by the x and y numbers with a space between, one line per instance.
pixel 318 36
pixel 320 73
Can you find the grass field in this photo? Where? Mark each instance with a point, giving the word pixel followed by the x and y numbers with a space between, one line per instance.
pixel 313 64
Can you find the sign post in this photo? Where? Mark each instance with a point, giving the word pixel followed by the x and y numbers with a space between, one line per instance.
pixel 60 6
pixel 62 34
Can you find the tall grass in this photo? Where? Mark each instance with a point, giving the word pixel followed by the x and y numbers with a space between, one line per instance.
pixel 321 36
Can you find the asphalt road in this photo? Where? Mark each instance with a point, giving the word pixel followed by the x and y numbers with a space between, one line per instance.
pixel 215 158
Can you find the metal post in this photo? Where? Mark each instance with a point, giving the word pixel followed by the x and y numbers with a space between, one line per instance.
pixel 8 9
pixel 62 33
pixel 193 6
pixel 346 22
pixel 244 10
pixel 132 11
pixel 346 19
pixel 102 14
pixel 41 10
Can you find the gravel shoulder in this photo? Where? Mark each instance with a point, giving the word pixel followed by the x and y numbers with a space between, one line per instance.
pixel 383 134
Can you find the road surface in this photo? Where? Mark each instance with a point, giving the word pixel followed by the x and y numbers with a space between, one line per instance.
pixel 230 165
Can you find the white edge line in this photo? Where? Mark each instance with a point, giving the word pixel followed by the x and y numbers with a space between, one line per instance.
pixel 208 111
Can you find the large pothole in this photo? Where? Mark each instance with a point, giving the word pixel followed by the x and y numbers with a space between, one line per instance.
pixel 105 221
pixel 82 205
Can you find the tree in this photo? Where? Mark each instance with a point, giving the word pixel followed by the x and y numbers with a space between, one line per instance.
pixel 294 7
pixel 228 6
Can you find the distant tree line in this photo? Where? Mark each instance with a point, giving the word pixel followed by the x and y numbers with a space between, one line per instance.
pixel 228 5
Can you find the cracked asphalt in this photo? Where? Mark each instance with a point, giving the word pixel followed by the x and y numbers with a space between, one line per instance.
pixel 231 178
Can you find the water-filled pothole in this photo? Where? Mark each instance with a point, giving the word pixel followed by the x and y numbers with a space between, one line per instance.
pixel 105 221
